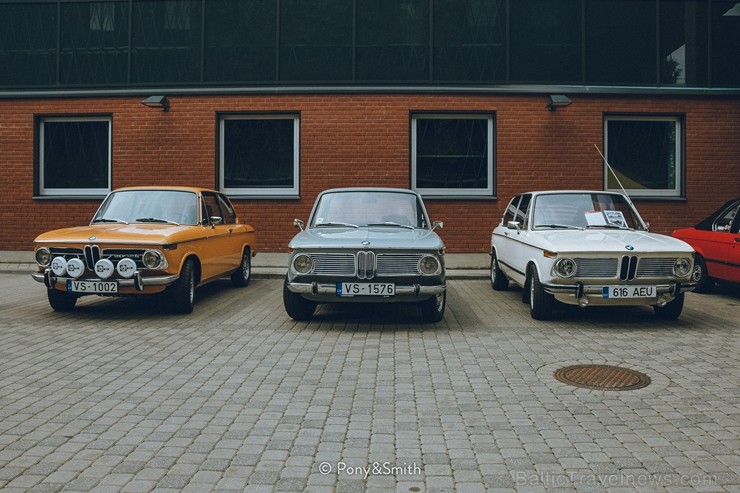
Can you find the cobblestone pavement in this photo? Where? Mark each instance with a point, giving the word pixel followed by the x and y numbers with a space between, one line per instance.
pixel 120 395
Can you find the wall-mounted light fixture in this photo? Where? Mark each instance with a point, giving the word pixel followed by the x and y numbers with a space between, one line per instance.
pixel 557 101
pixel 157 102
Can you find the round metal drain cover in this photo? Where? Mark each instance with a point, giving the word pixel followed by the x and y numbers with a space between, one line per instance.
pixel 602 377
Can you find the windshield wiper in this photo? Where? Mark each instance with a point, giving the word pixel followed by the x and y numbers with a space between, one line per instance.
pixel 155 220
pixel 557 226
pixel 337 224
pixel 391 223
pixel 109 220
pixel 610 225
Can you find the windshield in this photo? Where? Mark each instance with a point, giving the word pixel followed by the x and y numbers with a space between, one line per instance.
pixel 584 210
pixel 369 208
pixel 149 206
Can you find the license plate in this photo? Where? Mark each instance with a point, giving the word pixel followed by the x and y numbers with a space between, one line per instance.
pixel 94 287
pixel 365 289
pixel 618 292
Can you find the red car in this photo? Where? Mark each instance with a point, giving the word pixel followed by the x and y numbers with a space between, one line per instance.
pixel 716 240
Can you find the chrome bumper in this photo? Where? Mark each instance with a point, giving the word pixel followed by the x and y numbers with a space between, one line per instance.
pixel 50 280
pixel 315 288
pixel 579 289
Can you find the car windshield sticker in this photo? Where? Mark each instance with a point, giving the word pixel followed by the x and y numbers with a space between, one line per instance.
pixel 606 217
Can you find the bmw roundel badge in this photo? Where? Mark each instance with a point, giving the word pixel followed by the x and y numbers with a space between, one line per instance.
pixel 629 247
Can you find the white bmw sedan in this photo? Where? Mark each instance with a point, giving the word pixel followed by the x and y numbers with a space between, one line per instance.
pixel 587 248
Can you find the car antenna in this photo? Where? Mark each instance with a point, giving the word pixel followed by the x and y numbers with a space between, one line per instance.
pixel 624 192
pixel 615 175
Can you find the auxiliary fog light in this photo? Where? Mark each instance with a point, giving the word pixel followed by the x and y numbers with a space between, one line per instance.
pixel 59 266
pixel 104 268
pixel 75 268
pixel 126 268
pixel 583 302
pixel 662 301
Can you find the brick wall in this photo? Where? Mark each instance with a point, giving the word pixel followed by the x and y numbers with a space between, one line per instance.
pixel 363 140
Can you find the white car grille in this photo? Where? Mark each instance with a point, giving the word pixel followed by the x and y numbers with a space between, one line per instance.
pixel 625 268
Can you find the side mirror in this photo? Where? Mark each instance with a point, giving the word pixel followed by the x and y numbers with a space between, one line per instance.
pixel 298 224
pixel 514 225
pixel 216 220
pixel 647 226
pixel 438 225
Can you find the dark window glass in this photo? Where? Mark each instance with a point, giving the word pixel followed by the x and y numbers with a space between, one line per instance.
pixel 240 40
pixel 546 40
pixel 683 42
pixel 94 43
pixel 28 41
pixel 166 41
pixel 75 155
pixel 392 40
pixel 315 40
pixel 644 154
pixel 510 212
pixel 725 44
pixel 452 153
pixel 521 215
pixel 469 40
pixel 258 153
pixel 227 211
pixel 620 42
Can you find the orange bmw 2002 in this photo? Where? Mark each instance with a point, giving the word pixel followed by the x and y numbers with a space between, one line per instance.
pixel 146 240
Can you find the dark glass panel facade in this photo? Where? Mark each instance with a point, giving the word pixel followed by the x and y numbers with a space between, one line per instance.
pixel 166 41
pixel 469 40
pixel 75 154
pixel 28 44
pixel 683 42
pixel 725 22
pixel 241 41
pixel 452 153
pixel 392 40
pixel 621 42
pixel 546 41
pixel 316 40
pixel 258 153
pixel 94 43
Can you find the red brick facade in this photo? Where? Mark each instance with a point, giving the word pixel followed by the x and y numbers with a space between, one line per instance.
pixel 363 140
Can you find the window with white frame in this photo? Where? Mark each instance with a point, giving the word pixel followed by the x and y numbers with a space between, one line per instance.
pixel 74 156
pixel 645 155
pixel 258 155
pixel 452 155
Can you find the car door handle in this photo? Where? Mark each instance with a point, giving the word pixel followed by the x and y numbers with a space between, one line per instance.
pixel 737 240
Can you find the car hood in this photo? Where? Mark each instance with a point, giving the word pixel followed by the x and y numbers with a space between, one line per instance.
pixel 611 241
pixel 151 234
pixel 367 238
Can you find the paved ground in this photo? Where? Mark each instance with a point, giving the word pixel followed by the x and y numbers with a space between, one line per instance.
pixel 122 396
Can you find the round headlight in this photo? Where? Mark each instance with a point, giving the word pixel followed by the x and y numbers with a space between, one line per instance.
pixel 104 268
pixel 59 266
pixel 126 268
pixel 302 264
pixel 429 265
pixel 43 256
pixel 566 267
pixel 75 268
pixel 682 267
pixel 154 259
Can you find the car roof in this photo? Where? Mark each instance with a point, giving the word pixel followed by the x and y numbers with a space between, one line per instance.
pixel 369 189
pixel 167 187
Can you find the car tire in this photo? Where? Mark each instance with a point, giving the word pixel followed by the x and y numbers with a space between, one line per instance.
pixel 433 309
pixel 183 290
pixel 701 274
pixel 297 307
pixel 499 281
pixel 540 302
pixel 61 301
pixel 240 278
pixel 672 310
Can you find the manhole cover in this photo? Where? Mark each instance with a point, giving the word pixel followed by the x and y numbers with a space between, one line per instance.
pixel 602 377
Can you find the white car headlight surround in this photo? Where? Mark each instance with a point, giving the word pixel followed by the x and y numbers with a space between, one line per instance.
pixel 565 267
pixel 682 267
